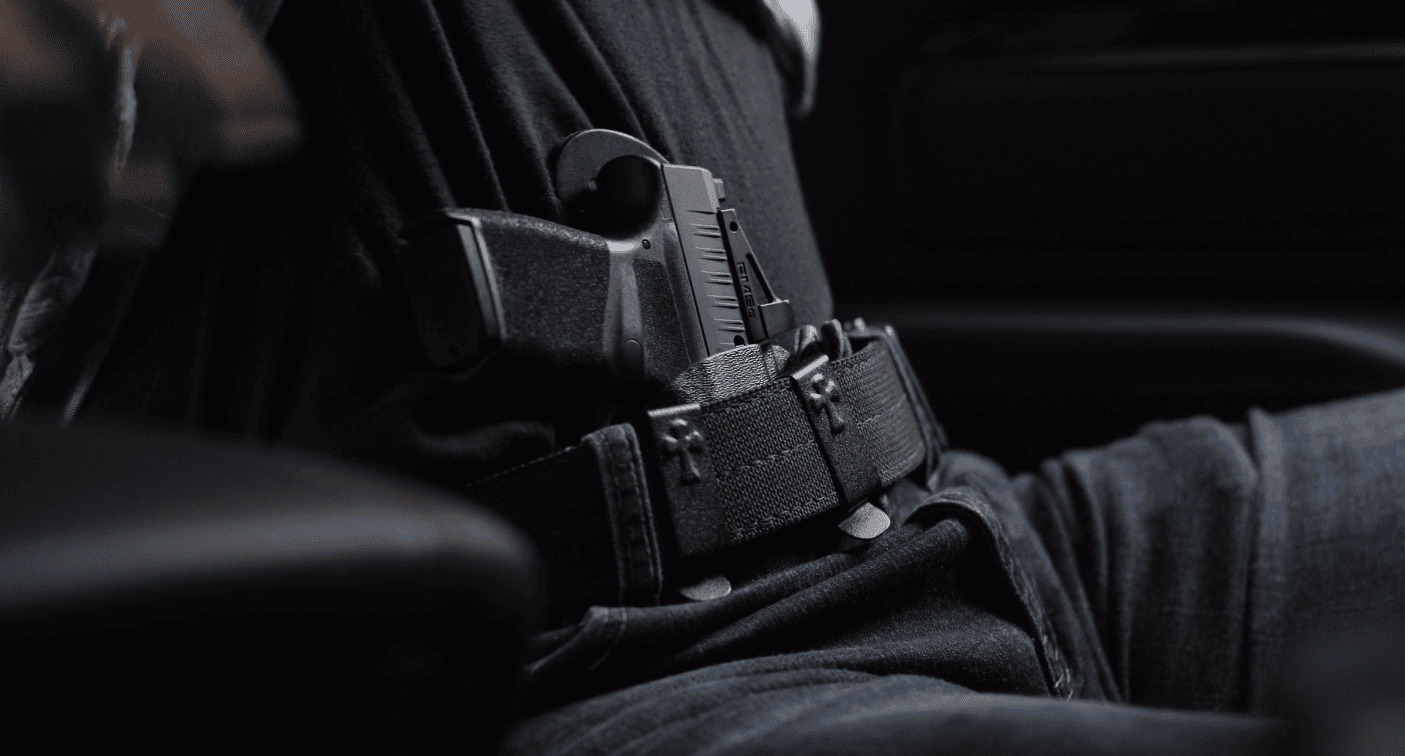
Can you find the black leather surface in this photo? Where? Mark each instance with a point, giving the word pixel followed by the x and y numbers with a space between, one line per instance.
pixel 182 592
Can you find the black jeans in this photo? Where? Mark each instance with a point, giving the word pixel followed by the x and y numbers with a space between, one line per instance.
pixel 1161 583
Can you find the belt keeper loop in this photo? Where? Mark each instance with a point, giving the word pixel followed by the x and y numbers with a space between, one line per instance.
pixel 836 431
pixel 933 435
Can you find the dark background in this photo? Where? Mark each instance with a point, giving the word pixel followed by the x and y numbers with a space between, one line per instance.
pixel 1084 218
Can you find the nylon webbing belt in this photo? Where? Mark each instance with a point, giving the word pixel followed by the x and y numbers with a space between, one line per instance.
pixel 697 479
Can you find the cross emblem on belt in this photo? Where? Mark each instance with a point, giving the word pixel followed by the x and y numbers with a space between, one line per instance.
pixel 684 439
pixel 824 393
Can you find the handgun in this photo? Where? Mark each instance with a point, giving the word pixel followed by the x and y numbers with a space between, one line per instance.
pixel 651 276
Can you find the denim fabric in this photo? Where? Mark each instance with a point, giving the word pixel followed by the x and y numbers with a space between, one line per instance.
pixel 1196 555
pixel 1165 579
pixel 631 515
pixel 836 711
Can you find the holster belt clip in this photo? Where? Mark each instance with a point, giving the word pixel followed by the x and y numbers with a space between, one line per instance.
pixel 845 451
pixel 829 435
pixel 823 438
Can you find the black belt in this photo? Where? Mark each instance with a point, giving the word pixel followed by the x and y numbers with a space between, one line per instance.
pixel 613 513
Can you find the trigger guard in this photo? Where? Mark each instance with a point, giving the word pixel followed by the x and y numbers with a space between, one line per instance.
pixel 580 158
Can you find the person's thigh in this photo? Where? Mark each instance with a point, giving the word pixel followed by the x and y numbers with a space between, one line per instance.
pixel 725 711
pixel 1201 552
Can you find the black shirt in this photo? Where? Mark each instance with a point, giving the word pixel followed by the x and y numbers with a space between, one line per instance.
pixel 275 308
